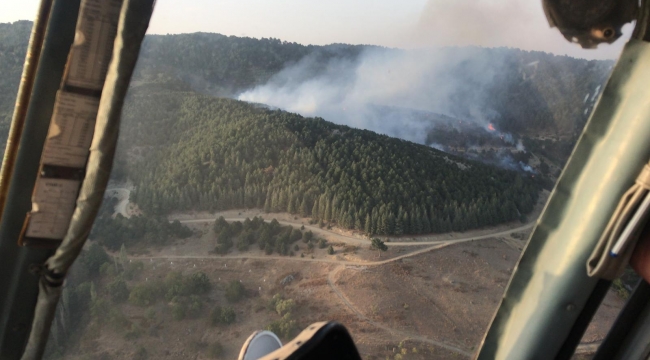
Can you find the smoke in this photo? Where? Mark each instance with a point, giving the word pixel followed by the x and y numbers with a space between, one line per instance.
pixel 394 92
pixel 520 146
pixel 526 167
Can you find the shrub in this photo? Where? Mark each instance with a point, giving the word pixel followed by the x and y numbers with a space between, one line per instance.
pixel 285 327
pixel 220 224
pixel 197 283
pixel 178 285
pixel 107 269
pixel 322 243
pixel 227 315
pixel 284 307
pixel 144 294
pixel 296 235
pixel 223 248
pixel 273 302
pixel 117 290
pixel 100 308
pixel 178 311
pixel 234 291
pixel 236 227
pixel 173 285
pixel 242 244
pixel 194 306
pixel 133 269
pixel 94 258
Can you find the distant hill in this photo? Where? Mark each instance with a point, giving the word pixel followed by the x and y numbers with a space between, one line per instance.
pixel 196 152
pixel 223 154
pixel 528 93
pixel 13 48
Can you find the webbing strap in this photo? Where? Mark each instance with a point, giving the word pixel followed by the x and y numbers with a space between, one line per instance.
pixel 608 260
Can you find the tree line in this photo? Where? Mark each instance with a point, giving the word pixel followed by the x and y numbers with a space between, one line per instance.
pixel 226 154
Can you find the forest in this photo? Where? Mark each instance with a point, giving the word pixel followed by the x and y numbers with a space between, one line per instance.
pixel 220 154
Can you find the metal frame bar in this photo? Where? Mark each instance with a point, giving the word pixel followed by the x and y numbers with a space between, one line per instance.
pixel 550 286
pixel 628 327
pixel 19 286
pixel 22 99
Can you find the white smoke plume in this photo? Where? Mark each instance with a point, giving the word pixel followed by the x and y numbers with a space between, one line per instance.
pixel 394 92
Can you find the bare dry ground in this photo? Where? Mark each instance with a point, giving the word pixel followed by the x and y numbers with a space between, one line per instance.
pixel 418 302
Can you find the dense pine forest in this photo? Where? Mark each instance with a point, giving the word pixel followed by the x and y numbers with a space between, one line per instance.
pixel 223 154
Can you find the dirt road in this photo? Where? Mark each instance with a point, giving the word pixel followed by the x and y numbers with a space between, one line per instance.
pixel 332 283
pixel 357 241
pixel 582 348
pixel 337 291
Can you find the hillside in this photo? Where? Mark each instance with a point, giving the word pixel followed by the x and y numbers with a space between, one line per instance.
pixel 222 154
pixel 521 92
pixel 13 47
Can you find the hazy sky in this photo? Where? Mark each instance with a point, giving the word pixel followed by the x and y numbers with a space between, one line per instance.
pixel 394 23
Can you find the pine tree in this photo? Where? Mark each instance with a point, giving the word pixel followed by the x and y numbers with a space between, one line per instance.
pixel 368 225
pixel 426 224
pixel 290 208
pixel 328 212
pixel 357 221
pixel 391 224
pixel 406 221
pixel 304 210
pixel 315 213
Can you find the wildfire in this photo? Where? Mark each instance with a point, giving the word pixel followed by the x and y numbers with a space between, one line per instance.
pixel 491 127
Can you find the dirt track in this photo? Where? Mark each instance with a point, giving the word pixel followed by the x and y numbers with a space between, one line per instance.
pixel 358 241
pixel 337 291
pixel 331 280
pixel 123 193
pixel 332 283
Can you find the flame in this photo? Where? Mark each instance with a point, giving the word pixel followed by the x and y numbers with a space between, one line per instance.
pixel 491 127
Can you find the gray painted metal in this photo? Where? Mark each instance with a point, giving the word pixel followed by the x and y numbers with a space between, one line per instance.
pixel 637 344
pixel 550 285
